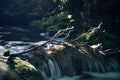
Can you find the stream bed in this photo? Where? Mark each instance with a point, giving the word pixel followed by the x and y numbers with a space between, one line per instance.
pixel 52 68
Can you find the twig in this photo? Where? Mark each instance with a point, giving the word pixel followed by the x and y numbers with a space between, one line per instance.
pixel 68 34
pixel 99 25
pixel 62 32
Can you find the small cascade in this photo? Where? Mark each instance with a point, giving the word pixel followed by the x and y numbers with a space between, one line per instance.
pixel 114 65
pixel 101 66
pixel 54 69
pixel 92 67
pixel 97 67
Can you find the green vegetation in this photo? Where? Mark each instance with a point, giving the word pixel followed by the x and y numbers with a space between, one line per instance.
pixel 25 69
pixel 56 22
pixel 52 15
pixel 23 66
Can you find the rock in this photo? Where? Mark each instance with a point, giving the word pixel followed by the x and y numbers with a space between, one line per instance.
pixel 6 73
pixel 21 65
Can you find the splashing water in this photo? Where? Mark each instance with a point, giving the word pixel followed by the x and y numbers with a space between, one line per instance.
pixel 54 69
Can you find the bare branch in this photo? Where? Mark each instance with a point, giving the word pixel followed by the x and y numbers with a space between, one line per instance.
pixel 59 33
pixel 62 32
pixel 68 34
pixel 90 30
pixel 100 25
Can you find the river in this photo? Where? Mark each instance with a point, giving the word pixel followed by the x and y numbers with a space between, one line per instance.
pixel 19 39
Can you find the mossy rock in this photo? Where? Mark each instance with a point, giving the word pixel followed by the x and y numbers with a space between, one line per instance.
pixel 26 70
pixel 22 66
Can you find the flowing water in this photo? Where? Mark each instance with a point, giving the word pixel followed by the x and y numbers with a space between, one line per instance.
pixel 54 69
pixel 93 71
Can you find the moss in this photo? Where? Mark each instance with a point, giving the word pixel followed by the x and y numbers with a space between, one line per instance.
pixel 23 65
pixel 88 35
pixel 25 69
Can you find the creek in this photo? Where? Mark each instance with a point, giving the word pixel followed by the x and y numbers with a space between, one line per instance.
pixel 68 64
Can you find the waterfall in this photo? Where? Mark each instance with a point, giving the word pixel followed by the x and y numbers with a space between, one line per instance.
pixel 97 67
pixel 54 69
pixel 102 67
pixel 114 65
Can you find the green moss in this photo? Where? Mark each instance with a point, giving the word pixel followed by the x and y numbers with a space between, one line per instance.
pixel 22 66
pixel 87 36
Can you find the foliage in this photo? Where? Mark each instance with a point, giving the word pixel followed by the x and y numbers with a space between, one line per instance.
pixel 56 22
